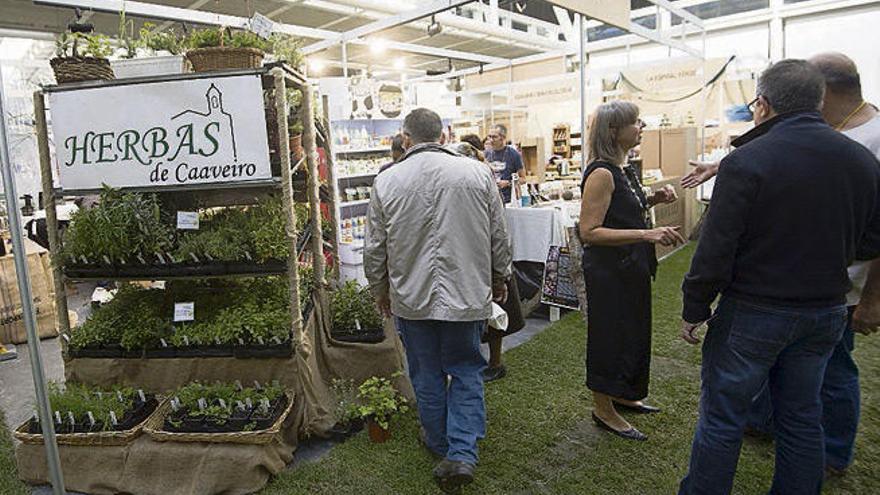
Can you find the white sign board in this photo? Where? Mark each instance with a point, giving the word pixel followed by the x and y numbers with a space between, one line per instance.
pixel 188 220
pixel 161 134
pixel 185 311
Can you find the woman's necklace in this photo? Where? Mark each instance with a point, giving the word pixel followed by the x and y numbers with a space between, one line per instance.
pixel 852 114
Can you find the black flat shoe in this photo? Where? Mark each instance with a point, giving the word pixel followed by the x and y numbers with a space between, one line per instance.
pixel 496 373
pixel 640 409
pixel 630 434
pixel 451 476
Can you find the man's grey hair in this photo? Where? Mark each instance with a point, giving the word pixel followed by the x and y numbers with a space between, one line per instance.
pixel 501 129
pixel 423 126
pixel 792 85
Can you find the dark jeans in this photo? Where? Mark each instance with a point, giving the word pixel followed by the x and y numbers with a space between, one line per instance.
pixel 840 403
pixel 453 414
pixel 746 346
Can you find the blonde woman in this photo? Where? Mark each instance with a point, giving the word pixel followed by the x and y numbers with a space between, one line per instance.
pixel 619 261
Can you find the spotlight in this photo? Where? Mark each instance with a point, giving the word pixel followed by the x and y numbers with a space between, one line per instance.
pixel 316 65
pixel 434 28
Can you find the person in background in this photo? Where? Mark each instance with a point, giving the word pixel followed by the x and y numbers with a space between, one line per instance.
pixel 504 158
pixel 397 151
pixel 845 109
pixel 619 261
pixel 474 140
pixel 436 255
pixel 792 207
pixel 513 307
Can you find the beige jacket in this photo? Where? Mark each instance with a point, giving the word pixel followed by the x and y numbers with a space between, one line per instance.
pixel 436 236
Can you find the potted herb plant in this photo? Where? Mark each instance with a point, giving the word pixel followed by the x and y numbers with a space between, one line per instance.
pixel 354 315
pixel 380 403
pixel 81 55
pixel 224 408
pixel 154 52
pixel 346 412
pixel 220 48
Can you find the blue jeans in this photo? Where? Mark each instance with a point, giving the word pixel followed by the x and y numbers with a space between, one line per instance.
pixel 454 414
pixel 746 346
pixel 840 404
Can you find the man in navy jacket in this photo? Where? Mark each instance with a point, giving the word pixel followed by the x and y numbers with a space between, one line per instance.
pixel 792 207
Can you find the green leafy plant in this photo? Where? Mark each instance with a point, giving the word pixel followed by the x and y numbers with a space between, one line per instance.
pixel 286 48
pixel 126 39
pixel 352 309
pixel 247 39
pixel 219 400
pixel 119 228
pixel 345 396
pixel 160 41
pixel 79 400
pixel 206 38
pixel 78 45
pixel 134 319
pixel 380 401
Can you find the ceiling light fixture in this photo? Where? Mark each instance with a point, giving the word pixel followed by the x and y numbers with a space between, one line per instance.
pixel 434 28
pixel 378 46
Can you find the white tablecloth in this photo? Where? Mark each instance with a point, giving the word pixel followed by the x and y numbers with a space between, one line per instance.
pixel 534 230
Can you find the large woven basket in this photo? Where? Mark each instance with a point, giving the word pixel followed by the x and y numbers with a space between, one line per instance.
pixel 153 428
pixel 223 57
pixel 76 69
pixel 97 439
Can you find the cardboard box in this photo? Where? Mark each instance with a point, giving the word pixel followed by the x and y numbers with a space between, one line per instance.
pixel 650 149
pixel 677 146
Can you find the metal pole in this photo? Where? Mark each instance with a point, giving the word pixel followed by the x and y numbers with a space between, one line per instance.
pixel 44 410
pixel 345 60
pixel 583 88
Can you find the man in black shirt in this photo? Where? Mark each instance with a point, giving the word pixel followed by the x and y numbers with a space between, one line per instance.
pixel 792 207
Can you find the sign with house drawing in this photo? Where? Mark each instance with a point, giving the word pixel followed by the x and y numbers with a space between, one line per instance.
pixel 161 134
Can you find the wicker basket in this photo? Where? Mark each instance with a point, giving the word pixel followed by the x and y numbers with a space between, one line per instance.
pixel 154 425
pixel 77 69
pixel 223 57
pixel 97 439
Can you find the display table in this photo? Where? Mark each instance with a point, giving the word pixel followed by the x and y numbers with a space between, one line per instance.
pixel 533 230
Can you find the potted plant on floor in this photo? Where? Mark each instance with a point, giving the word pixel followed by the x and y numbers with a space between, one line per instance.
pixel 219 49
pixel 346 412
pixel 380 403
pixel 81 55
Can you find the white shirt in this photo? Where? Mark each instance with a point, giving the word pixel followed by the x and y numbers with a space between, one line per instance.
pixel 868 134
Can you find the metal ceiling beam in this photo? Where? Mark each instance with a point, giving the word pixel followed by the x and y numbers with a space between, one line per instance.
pixel 658 37
pixel 684 14
pixel 150 10
pixel 386 23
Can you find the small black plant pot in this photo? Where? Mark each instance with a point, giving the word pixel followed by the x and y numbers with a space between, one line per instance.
pixel 138 414
pixel 161 352
pixel 367 336
pixel 187 424
pixel 342 431
pixel 283 350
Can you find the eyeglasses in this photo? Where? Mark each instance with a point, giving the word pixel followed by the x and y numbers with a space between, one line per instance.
pixel 753 104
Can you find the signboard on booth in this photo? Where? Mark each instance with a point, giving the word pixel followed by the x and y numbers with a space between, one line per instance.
pixel 614 12
pixel 168 133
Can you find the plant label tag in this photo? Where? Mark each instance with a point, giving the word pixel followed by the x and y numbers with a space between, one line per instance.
pixel 141 259
pixel 222 403
pixel 171 258
pixel 91 418
pixel 106 260
pixel 238 382
pixel 58 417
pixel 249 403
pixel 141 395
pixel 264 405
pixel 241 343
pixel 65 337
pixel 257 385
pixel 164 344
pixel 203 404
pixel 174 405
pixel 71 418
pixel 260 340
pixel 113 420
pixel 100 395
pixel 186 340
pixel 217 340
pixel 248 256
pixel 161 259
pixel 194 257
pixel 188 220
pixel 119 396
pixel 121 261
pixel 261 25
pixel 276 340
pixel 357 324
pixel 210 258
pixel 184 311
pixel 83 258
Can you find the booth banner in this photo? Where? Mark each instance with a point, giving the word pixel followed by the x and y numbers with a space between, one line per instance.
pixel 560 89
pixel 558 288
pixel 161 134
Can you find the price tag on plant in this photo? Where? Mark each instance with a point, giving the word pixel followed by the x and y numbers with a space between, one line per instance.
pixel 113 419
pixel 58 417
pixel 188 220
pixel 185 311
pixel 222 403
pixel 261 25
pixel 203 404
pixel 141 395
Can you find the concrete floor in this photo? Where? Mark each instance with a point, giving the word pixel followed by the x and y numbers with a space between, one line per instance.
pixel 17 395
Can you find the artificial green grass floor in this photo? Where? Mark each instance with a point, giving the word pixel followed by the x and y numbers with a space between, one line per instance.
pixel 540 437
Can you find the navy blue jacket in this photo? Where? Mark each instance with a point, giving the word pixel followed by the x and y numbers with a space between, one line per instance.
pixel 792 207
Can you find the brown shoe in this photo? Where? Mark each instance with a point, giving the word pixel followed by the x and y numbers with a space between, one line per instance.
pixel 450 476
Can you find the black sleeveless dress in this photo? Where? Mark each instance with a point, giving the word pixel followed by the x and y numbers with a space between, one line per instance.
pixel 618 283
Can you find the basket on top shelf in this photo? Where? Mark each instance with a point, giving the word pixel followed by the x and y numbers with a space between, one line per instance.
pixel 80 56
pixel 220 48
